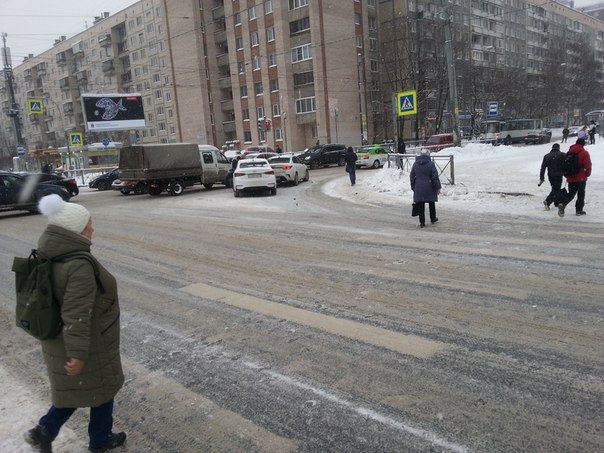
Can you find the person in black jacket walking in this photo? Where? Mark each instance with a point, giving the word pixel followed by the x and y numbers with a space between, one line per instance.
pixel 552 161
pixel 351 165
pixel 425 185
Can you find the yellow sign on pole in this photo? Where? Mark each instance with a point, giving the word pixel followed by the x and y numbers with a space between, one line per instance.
pixel 75 139
pixel 406 103
pixel 35 106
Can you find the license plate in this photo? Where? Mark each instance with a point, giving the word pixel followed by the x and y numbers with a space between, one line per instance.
pixel 254 176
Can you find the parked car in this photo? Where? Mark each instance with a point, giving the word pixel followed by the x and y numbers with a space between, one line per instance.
pixel 50 178
pixel 128 187
pixel 254 175
pixel 19 193
pixel 538 137
pixel 374 156
pixel 104 181
pixel 288 168
pixel 257 149
pixel 324 156
pixel 439 141
pixel 573 131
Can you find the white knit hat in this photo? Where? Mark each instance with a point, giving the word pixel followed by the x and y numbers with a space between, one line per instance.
pixel 71 216
pixel 424 151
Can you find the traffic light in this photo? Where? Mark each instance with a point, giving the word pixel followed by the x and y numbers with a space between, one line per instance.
pixel 262 124
pixel 267 121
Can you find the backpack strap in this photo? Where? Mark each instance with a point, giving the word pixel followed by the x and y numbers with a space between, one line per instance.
pixel 85 255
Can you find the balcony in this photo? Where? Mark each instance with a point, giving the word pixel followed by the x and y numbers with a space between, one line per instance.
pixel 306 118
pixel 108 66
pixel 81 77
pixel 51 136
pixel 105 40
pixel 229 126
pixel 226 105
pixel 28 74
pixel 64 83
pixel 222 58
pixel 122 47
pixel 78 49
pixel 61 58
pixel 126 77
pixel 218 12
pixel 68 108
pixel 41 68
pixel 224 82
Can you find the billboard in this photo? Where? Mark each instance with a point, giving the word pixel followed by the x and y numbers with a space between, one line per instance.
pixel 113 112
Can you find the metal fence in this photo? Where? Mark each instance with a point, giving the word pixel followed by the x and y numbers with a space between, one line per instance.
pixel 444 164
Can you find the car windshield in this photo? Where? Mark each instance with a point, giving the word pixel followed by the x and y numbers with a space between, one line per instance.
pixel 244 164
pixel 280 160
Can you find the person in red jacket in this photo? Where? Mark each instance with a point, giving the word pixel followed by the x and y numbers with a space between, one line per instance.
pixel 577 183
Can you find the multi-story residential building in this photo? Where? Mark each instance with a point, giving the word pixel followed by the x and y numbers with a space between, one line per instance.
pixel 321 70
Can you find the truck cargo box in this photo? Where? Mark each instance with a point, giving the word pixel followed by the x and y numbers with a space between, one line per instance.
pixel 171 160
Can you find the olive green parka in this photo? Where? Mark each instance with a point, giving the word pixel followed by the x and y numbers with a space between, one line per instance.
pixel 91 330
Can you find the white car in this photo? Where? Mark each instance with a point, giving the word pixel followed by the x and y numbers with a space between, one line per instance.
pixel 254 175
pixel 288 168
pixel 266 155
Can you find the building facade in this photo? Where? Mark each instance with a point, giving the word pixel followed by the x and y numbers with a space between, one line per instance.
pixel 321 70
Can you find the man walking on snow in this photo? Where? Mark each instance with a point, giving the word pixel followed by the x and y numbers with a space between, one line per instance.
pixel 552 161
pixel 577 183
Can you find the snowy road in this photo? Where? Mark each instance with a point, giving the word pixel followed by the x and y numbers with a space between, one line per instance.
pixel 309 323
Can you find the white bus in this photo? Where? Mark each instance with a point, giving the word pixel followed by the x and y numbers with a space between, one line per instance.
pixel 509 130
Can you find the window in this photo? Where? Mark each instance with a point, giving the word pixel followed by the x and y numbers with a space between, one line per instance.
pixel 160 110
pixel 274 84
pixel 237 19
pixel 252 12
pixel 268 6
pixel 370 2
pixel 168 96
pixel 239 43
pixel 276 110
pixel 278 134
pixel 373 44
pixel 272 59
pixel 254 38
pixel 304 78
pixel 305 105
pixel 260 112
pixel 156 77
pixel 293 4
pixel 247 136
pixel 243 91
pixel 150 27
pixel 357 18
pixel 245 114
pixel 241 66
pixel 256 63
pixel 258 88
pixel 270 34
pixel 300 25
pixel 158 94
pixel 301 53
pixel 360 41
pixel 162 126
pixel 374 66
pixel 372 23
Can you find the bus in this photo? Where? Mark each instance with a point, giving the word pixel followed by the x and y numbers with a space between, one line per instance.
pixel 508 130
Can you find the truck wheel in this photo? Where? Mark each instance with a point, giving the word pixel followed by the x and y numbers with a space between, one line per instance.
pixel 125 191
pixel 176 188
pixel 508 140
pixel 296 179
pixel 154 191
pixel 341 162
pixel 208 186
pixel 376 164
pixel 314 164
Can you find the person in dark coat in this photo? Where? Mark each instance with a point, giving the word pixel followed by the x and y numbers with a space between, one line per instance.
pixel 577 183
pixel 278 150
pixel 400 146
pixel 552 161
pixel 592 133
pixel 426 186
pixel 565 133
pixel 83 362
pixel 351 165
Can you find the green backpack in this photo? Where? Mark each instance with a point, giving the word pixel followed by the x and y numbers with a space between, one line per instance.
pixel 38 313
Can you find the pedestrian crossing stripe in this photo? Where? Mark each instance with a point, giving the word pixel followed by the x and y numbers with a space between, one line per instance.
pixel 75 139
pixel 406 103
pixel 35 106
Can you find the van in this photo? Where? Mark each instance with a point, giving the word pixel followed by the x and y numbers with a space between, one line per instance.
pixel 439 141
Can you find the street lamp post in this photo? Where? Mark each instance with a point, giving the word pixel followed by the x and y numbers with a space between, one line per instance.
pixel 452 78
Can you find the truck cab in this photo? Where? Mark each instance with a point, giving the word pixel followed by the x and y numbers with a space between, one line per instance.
pixel 215 165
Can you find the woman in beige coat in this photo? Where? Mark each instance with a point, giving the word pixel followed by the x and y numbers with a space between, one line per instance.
pixel 83 362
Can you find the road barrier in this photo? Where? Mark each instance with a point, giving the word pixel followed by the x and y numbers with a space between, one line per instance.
pixel 444 164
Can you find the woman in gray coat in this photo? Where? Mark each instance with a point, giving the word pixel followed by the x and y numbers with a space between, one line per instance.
pixel 83 362
pixel 425 185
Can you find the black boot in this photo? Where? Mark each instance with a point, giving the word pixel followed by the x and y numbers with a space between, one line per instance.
pixel 39 439
pixel 114 440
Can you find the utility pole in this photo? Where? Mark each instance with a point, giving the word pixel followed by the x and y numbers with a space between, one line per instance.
pixel 13 109
pixel 452 76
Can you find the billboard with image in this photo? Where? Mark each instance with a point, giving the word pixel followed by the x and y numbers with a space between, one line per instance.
pixel 113 112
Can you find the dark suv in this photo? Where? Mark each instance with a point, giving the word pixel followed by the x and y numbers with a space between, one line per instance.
pixel 16 195
pixel 324 156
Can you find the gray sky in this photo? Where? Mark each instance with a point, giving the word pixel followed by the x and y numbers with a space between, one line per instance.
pixel 33 25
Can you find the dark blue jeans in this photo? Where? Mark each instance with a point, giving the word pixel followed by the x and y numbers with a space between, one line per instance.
pixel 352 173
pixel 99 427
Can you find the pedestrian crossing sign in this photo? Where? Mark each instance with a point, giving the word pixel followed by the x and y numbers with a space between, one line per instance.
pixel 75 139
pixel 406 103
pixel 35 106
